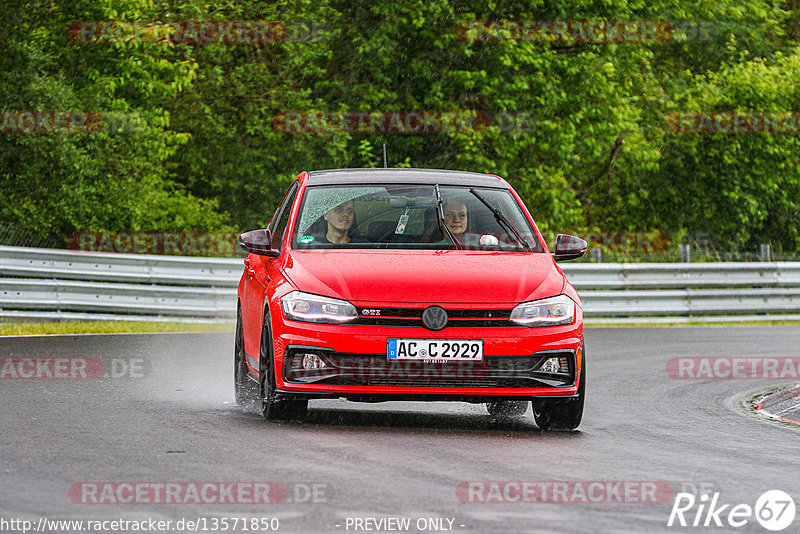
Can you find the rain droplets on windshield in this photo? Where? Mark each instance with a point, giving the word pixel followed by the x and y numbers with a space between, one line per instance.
pixel 408 216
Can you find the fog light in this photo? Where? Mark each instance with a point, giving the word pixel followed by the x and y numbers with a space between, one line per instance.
pixel 555 364
pixel 312 361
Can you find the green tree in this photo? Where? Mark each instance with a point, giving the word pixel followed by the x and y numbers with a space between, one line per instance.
pixel 114 178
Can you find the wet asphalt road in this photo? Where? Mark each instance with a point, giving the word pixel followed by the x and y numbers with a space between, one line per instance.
pixel 170 417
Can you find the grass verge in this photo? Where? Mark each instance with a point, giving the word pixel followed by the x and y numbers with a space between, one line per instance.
pixel 110 327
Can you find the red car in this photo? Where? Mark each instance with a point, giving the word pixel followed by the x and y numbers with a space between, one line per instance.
pixel 408 284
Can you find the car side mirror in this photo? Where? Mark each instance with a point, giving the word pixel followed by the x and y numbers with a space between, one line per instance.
pixel 258 242
pixel 569 247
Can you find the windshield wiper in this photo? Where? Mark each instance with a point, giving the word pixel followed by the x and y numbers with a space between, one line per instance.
pixel 440 214
pixel 501 219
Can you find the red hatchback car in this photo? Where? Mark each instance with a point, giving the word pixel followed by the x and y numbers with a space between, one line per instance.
pixel 408 284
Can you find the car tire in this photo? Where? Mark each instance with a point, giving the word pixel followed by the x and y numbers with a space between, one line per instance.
pixel 551 414
pixel 245 388
pixel 275 406
pixel 507 408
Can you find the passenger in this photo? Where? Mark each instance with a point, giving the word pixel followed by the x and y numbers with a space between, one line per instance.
pixel 339 220
pixel 455 216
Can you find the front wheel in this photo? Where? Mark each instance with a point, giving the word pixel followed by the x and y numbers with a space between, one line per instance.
pixel 551 414
pixel 275 406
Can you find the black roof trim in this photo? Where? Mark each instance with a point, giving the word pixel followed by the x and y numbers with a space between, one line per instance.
pixel 403 176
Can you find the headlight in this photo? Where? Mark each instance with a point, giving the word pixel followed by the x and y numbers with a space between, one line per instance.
pixel 301 306
pixel 546 312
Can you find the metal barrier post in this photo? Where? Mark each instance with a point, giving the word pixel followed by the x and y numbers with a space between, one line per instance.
pixel 766 252
pixel 686 253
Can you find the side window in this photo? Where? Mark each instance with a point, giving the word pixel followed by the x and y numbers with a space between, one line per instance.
pixel 281 219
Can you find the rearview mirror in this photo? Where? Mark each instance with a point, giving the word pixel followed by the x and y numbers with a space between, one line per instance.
pixel 569 247
pixel 258 242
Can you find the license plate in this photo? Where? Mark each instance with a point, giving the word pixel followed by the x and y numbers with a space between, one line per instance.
pixel 435 349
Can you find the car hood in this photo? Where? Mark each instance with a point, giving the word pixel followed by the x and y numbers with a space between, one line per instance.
pixel 425 277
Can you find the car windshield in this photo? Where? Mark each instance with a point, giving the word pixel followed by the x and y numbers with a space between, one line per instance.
pixel 406 216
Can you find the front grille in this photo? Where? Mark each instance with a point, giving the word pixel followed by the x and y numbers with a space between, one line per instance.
pixel 377 370
pixel 453 383
pixel 457 318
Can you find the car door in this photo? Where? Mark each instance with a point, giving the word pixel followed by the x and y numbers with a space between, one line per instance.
pixel 257 277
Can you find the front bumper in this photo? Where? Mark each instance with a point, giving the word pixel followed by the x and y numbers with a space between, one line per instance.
pixel 376 370
pixel 357 367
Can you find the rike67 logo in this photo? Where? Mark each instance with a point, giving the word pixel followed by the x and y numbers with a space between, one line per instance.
pixel 774 510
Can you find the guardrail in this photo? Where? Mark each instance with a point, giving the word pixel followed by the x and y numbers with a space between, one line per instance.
pixel 51 284
pixel 682 275
pixel 687 292
pixel 113 267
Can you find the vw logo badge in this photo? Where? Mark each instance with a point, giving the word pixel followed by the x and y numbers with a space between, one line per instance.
pixel 434 318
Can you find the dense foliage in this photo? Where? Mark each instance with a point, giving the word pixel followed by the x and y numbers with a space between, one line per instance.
pixel 191 139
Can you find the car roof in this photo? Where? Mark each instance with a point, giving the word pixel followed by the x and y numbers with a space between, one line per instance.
pixel 404 176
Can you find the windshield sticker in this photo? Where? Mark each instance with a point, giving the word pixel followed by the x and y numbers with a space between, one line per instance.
pixel 306 239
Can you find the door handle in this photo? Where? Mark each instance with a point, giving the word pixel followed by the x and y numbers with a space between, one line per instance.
pixel 251 272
